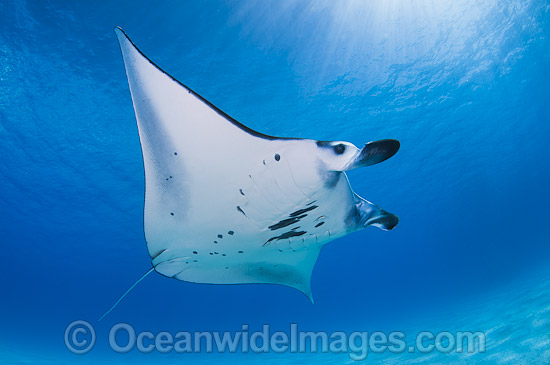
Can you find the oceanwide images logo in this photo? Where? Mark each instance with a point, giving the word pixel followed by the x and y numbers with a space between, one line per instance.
pixel 80 338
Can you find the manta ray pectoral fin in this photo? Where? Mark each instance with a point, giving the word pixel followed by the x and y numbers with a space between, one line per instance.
pixel 374 152
pixel 366 214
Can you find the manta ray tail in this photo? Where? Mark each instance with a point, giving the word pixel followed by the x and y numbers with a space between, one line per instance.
pixel 127 291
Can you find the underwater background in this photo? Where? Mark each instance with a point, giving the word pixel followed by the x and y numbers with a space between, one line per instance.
pixel 464 85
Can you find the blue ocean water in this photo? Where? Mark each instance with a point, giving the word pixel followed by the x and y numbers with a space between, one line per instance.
pixel 463 85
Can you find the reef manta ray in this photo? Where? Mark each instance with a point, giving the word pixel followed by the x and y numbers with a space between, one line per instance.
pixel 225 204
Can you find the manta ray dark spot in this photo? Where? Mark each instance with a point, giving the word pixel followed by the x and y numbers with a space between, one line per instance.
pixel 241 191
pixel 286 222
pixel 175 153
pixel 264 162
pixel 227 267
pixel 231 233
pixel 195 252
pixel 277 157
pixel 220 236
pixel 242 211
pixel 211 253
pixel 302 211
pixel 241 251
pixel 215 241
pixel 172 213
pixel 339 149
pixel 195 261
pixel 170 177
pixel 286 235
pixel 224 254
pixel 319 224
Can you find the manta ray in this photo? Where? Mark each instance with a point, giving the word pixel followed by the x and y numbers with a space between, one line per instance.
pixel 225 204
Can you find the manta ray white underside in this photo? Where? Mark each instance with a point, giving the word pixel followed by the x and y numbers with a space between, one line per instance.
pixel 225 204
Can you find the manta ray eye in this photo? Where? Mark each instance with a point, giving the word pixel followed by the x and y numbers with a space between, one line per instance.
pixel 339 149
